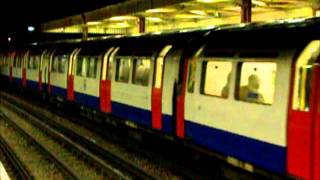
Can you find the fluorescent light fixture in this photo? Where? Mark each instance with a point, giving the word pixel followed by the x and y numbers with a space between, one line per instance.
pixel 198 12
pixel 122 18
pixel 93 23
pixel 212 1
pixel 119 25
pixel 188 16
pixel 259 3
pixel 161 10
pixel 154 19
pixel 30 28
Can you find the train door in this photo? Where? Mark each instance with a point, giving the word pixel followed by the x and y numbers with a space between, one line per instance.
pixel 303 158
pixel 70 76
pixel 169 90
pixel 105 80
pixel 156 104
pixel 44 71
pixel 25 59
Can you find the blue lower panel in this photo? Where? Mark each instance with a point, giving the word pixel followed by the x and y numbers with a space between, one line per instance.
pixel 32 85
pixel 259 153
pixel 17 81
pixel 167 123
pixel 58 91
pixel 87 100
pixel 140 116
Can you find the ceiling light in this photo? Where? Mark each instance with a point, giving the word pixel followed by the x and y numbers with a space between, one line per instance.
pixel 212 1
pixel 198 12
pixel 188 16
pixel 119 25
pixel 161 10
pixel 93 23
pixel 30 28
pixel 121 18
pixel 154 19
pixel 259 3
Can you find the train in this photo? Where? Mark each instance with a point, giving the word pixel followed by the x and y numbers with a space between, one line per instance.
pixel 249 92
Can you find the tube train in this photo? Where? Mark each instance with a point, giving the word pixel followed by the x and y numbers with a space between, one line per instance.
pixel 250 92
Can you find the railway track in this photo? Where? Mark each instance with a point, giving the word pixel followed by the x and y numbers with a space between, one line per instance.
pixel 17 168
pixel 107 161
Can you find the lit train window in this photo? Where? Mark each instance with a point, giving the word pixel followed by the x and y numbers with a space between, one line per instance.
pixel 192 76
pixel 19 62
pixel 92 67
pixel 215 78
pixel 81 63
pixel 62 63
pixel 36 62
pixel 30 64
pixel 141 69
pixel 123 70
pixel 257 82
pixel 55 64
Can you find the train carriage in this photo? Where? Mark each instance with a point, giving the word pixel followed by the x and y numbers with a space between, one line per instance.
pixel 249 92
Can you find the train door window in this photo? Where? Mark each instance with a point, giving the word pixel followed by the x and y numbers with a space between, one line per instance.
pixel 256 82
pixel 92 66
pixel 62 63
pixel 36 62
pixel 55 64
pixel 19 62
pixel 81 64
pixel 303 76
pixel 30 64
pixel 216 78
pixel 141 69
pixel 123 70
pixel 192 75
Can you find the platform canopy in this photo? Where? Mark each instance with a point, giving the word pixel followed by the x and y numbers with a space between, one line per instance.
pixel 161 15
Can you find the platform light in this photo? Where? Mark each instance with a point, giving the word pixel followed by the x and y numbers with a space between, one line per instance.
pixel 31 28
pixel 122 18
pixel 93 23
pixel 161 10
pixel 212 1
pixel 259 3
pixel 198 12
pixel 154 19
pixel 9 39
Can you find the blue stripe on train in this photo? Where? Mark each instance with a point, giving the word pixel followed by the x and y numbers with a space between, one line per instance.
pixel 58 91
pixel 32 84
pixel 259 153
pixel 87 100
pixel 17 81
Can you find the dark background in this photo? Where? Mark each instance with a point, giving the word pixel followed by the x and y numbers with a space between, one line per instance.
pixel 17 15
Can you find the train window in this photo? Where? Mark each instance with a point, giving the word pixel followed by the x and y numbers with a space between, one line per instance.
pixel 92 67
pixel 55 64
pixel 303 76
pixel 14 62
pixel 216 78
pixel 36 62
pixel 110 62
pixel 30 64
pixel 192 76
pixel 141 69
pixel 123 70
pixel 62 63
pixel 256 82
pixel 19 62
pixel 81 63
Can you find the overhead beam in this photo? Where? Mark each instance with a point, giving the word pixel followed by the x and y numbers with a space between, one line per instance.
pixel 128 7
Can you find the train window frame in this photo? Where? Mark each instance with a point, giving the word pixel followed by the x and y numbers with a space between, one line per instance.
pixel 80 69
pixel 89 68
pixel 238 86
pixel 118 66
pixel 134 71
pixel 62 63
pixel 55 64
pixel 36 62
pixel 203 80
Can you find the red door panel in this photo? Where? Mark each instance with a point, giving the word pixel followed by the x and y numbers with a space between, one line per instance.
pixel 105 96
pixel 156 108
pixel 70 88
pixel 24 77
pixel 316 116
pixel 180 103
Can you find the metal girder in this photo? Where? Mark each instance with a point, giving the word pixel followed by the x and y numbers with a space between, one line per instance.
pixel 128 7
